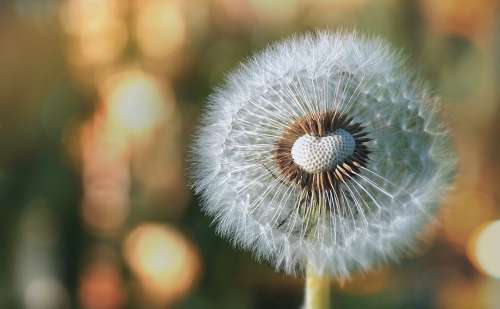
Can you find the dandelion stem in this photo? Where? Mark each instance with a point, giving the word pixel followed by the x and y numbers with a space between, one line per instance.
pixel 317 290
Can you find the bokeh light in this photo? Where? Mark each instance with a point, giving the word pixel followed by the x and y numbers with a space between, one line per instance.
pixel 166 264
pixel 105 175
pixel 484 249
pixel 87 17
pixel 46 293
pixel 97 29
pixel 160 28
pixel 101 287
pixel 135 101
pixel 36 274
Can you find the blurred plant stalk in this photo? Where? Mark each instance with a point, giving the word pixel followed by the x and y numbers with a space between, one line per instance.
pixel 317 290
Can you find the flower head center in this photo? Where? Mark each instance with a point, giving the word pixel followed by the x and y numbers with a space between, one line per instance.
pixel 320 154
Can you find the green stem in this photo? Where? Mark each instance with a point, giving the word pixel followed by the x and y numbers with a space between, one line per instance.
pixel 317 291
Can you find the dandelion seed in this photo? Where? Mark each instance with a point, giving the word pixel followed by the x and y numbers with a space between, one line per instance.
pixel 322 152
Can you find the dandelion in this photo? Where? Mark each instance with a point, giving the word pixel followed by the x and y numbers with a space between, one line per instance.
pixel 322 154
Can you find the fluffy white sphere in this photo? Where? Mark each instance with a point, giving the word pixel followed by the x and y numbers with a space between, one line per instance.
pixel 321 150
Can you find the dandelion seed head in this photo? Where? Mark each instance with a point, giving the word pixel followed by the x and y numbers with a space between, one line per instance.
pixel 323 150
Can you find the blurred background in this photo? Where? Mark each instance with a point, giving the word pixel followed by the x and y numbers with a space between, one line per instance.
pixel 98 103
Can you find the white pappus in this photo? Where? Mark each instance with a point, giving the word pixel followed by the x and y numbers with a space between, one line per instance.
pixel 322 151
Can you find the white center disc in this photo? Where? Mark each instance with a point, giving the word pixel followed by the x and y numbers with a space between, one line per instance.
pixel 318 154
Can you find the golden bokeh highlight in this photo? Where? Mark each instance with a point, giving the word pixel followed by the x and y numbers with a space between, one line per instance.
pixel 135 101
pixel 484 249
pixel 166 264
pixel 160 28
pixel 105 175
pixel 133 106
pixel 97 30
pixel 86 17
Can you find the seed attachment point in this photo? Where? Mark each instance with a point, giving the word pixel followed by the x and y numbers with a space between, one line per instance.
pixel 315 154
